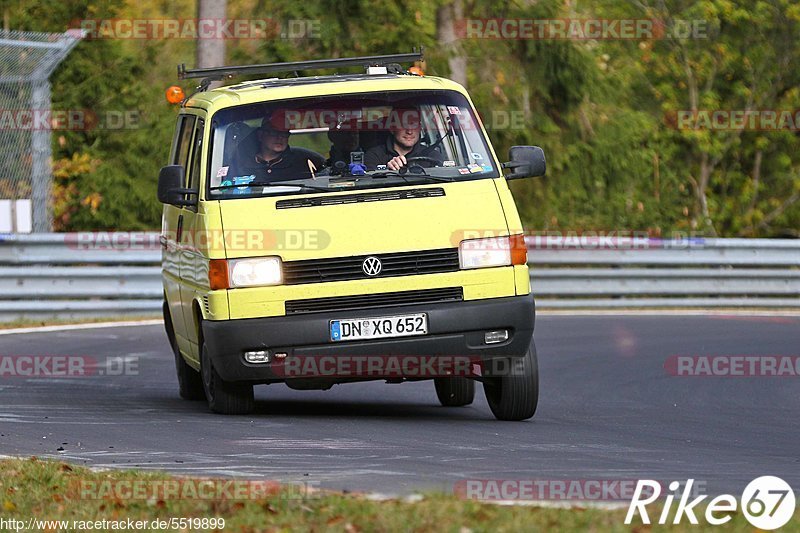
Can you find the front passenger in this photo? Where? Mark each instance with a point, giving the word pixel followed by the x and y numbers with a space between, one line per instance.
pixel 273 159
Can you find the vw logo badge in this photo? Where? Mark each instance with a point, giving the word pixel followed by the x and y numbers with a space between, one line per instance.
pixel 371 266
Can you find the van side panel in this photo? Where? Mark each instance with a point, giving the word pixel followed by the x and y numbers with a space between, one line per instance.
pixel 521 272
pixel 171 271
pixel 203 242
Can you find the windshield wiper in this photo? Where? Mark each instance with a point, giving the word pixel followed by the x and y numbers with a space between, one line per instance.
pixel 395 174
pixel 300 186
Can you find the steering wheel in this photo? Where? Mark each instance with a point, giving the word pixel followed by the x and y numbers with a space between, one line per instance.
pixel 421 158
pixel 410 160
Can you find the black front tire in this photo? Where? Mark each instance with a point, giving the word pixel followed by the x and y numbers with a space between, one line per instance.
pixel 455 391
pixel 224 397
pixel 513 394
pixel 190 384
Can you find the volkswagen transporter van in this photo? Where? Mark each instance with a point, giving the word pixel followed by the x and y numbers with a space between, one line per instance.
pixel 343 228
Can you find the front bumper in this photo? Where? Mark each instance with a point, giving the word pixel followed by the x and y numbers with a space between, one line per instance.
pixel 454 329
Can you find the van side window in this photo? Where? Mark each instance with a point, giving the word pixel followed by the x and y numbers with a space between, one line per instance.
pixel 193 177
pixel 183 141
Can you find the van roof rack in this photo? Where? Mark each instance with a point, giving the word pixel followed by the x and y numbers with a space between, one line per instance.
pixel 391 62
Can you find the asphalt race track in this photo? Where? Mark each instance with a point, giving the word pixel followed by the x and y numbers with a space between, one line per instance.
pixel 608 410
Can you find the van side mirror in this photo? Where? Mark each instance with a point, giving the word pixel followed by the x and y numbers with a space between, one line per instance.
pixel 170 187
pixel 526 162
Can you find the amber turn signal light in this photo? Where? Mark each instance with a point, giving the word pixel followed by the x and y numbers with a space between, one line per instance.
pixel 519 251
pixel 218 274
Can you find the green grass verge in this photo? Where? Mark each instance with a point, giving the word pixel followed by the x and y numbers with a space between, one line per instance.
pixel 52 490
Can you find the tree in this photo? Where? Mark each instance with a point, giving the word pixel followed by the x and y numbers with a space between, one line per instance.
pixel 742 61
pixel 448 16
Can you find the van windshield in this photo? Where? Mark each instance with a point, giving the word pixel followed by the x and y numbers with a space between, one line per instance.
pixel 353 141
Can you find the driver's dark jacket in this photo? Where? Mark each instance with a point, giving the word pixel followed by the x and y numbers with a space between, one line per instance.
pixel 381 154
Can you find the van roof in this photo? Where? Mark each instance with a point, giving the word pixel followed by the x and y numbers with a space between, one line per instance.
pixel 270 89
pixel 383 73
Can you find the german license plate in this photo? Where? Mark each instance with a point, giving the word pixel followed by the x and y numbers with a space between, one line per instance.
pixel 379 327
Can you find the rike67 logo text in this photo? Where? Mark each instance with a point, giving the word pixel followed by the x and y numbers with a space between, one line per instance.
pixel 768 503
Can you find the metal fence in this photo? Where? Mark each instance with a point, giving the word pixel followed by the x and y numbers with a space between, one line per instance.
pixel 654 273
pixel 27 59
pixel 55 275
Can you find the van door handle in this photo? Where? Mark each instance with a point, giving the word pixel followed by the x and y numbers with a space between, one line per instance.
pixel 179 233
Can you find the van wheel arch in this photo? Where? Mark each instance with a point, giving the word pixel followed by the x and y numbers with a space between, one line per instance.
pixel 169 328
pixel 190 384
pixel 197 313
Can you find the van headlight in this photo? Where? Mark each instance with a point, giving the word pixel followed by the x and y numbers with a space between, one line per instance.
pixel 255 271
pixel 492 252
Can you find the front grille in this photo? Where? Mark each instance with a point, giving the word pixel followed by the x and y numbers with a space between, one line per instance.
pixel 394 194
pixel 367 301
pixel 348 268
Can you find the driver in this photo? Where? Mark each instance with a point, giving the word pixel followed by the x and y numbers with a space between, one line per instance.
pixel 402 143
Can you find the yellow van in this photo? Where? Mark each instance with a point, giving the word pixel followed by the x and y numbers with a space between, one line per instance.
pixel 341 228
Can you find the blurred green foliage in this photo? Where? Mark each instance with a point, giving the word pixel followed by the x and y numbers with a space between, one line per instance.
pixel 603 110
